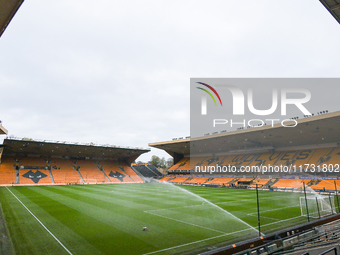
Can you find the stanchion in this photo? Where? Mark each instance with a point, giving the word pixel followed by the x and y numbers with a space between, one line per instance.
pixel 258 210
pixel 336 194
pixel 317 205
pixel 304 190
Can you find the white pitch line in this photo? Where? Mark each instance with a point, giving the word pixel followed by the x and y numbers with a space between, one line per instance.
pixel 282 221
pixel 174 247
pixel 264 217
pixel 178 246
pixel 232 201
pixel 246 199
pixel 178 207
pixel 185 222
pixel 40 223
pixel 276 209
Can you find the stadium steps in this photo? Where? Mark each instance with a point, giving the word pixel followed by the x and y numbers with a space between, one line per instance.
pixel 313 182
pixel 251 161
pixel 326 158
pixel 155 171
pixel 329 157
pixel 51 175
pixel 210 179
pixel 17 176
pixel 123 170
pixel 267 183
pixel 328 236
pixel 16 167
pixel 334 158
pixel 182 164
pixel 222 161
pixel 272 182
pixel 330 153
pixel 278 158
pixel 100 168
pixel 232 181
pixel 243 159
pixel 317 249
pixel 200 163
pixel 49 167
pixel 293 159
pixel 147 172
pixel 90 172
pixel 75 167
pixel 138 173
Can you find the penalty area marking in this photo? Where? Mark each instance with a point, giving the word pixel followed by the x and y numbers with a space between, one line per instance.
pixel 271 210
pixel 184 222
pixel 41 223
pixel 182 245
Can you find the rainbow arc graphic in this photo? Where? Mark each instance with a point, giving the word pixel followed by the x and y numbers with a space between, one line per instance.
pixel 209 93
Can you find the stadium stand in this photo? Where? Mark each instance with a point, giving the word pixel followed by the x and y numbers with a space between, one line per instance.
pixel 325 185
pixel 220 181
pixel 244 182
pixel 196 161
pixel 260 182
pixel 155 170
pixel 179 179
pixel 149 171
pixel 61 171
pixel 318 155
pixel 185 165
pixel 302 157
pixel 128 170
pixel 197 180
pixel 290 183
pixel 33 171
pixel 29 162
pixel 333 157
pixel 112 172
pixel 266 159
pixel 275 158
pixel 7 171
pixel 166 178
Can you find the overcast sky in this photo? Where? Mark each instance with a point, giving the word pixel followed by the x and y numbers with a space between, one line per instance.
pixel 118 72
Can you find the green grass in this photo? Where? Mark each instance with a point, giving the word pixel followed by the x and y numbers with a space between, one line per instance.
pixel 108 219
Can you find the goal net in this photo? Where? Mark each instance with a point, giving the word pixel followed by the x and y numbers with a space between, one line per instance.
pixel 318 206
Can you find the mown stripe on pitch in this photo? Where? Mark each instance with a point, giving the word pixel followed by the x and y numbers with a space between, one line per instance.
pixel 99 234
pixel 139 216
pixel 131 226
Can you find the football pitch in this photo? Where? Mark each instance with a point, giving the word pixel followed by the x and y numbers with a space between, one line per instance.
pixel 109 219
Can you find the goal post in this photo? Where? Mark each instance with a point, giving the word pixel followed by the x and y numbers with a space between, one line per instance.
pixel 318 206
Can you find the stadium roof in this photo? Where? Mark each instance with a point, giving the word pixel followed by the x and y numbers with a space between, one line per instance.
pixel 3 131
pixel 333 6
pixel 317 130
pixel 8 8
pixel 28 147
